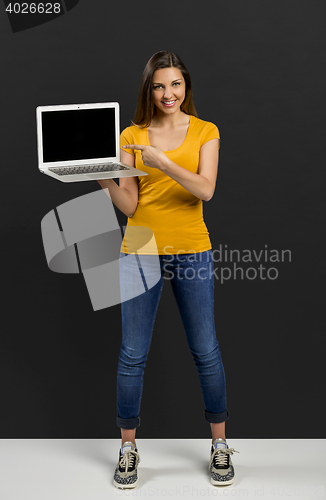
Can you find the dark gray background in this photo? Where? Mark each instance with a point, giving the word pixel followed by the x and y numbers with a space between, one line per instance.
pixel 258 73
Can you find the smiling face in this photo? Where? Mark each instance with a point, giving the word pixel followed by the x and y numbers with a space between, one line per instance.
pixel 168 90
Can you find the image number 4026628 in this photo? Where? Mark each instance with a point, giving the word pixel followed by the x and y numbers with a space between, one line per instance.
pixel 28 14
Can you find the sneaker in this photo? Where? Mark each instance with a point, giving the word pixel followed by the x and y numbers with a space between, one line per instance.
pixel 220 465
pixel 125 474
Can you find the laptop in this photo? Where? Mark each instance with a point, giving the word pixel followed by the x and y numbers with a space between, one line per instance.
pixel 81 142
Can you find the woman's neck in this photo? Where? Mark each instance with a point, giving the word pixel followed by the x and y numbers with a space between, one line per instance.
pixel 169 121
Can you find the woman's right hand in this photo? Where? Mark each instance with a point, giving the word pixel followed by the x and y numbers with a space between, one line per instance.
pixel 124 195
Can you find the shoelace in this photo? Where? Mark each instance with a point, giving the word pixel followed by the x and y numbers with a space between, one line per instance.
pixel 128 459
pixel 220 456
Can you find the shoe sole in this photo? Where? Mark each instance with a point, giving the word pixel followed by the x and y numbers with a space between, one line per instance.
pixel 124 486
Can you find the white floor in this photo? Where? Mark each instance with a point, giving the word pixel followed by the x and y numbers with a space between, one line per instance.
pixel 68 469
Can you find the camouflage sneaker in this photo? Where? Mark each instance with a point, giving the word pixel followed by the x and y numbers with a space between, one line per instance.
pixel 125 474
pixel 220 465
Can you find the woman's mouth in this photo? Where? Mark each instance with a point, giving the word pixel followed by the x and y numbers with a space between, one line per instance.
pixel 169 104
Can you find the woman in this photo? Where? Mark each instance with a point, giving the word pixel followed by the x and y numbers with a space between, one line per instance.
pixel 180 154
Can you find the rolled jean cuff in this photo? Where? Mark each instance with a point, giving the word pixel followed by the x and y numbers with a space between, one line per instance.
pixel 128 423
pixel 216 418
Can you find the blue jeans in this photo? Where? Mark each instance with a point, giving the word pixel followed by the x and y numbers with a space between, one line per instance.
pixel 192 280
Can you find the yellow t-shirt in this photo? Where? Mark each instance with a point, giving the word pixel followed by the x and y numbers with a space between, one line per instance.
pixel 173 214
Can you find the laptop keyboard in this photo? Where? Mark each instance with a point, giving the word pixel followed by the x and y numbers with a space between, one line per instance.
pixel 87 169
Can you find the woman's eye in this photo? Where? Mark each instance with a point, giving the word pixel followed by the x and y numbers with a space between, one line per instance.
pixel 157 87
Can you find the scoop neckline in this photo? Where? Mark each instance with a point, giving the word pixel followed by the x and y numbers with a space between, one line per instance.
pixel 175 149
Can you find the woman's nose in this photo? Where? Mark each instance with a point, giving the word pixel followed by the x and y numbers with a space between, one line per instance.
pixel 168 93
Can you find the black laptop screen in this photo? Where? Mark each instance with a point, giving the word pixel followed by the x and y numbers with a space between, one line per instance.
pixel 79 134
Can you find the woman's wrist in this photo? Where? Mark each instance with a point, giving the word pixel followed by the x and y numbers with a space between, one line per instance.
pixel 166 164
pixel 105 183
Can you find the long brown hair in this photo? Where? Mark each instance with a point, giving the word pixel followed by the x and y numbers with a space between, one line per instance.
pixel 145 106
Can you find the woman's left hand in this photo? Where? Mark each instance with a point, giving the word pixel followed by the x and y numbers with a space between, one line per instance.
pixel 152 156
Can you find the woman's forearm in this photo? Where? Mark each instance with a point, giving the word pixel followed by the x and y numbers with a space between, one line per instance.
pixel 121 197
pixel 201 185
pixel 196 184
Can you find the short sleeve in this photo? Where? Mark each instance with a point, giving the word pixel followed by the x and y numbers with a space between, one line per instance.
pixel 126 137
pixel 211 132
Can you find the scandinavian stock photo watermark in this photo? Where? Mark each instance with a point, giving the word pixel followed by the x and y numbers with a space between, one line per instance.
pixel 83 235
pixel 225 264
